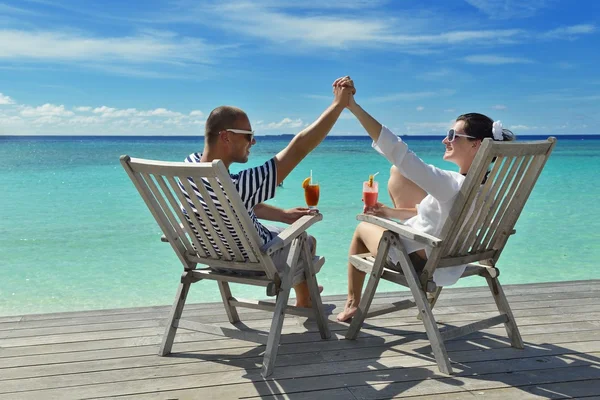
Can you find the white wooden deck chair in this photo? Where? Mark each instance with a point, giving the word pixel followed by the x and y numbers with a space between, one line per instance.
pixel 480 222
pixel 158 184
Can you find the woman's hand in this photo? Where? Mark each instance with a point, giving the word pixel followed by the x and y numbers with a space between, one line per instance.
pixel 349 83
pixel 378 210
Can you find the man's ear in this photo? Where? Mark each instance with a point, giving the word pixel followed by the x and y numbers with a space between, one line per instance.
pixel 224 136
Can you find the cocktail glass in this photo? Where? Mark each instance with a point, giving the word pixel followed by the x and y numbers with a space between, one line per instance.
pixel 311 195
pixel 370 193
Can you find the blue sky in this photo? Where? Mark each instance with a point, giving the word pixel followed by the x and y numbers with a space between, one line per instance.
pixel 159 67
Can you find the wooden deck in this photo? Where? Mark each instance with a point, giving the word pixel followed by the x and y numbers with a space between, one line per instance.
pixel 112 353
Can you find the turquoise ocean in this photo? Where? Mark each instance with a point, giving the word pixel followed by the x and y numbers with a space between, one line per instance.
pixel 75 234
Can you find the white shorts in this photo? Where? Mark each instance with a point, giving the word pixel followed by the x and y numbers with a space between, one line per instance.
pixel 280 256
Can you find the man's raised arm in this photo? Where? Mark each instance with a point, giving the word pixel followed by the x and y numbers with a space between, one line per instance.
pixel 304 142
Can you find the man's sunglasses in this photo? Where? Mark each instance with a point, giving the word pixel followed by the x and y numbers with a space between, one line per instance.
pixel 250 134
pixel 452 135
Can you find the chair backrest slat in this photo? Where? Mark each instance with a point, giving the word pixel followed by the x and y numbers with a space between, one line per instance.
pixel 159 216
pixel 200 216
pixel 215 187
pixel 466 195
pixel 484 213
pixel 475 212
pixel 510 184
pixel 232 215
pixel 202 236
pixel 169 211
pixel 192 217
pixel 490 203
pixel 510 217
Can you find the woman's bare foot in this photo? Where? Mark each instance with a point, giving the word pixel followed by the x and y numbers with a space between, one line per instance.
pixel 349 310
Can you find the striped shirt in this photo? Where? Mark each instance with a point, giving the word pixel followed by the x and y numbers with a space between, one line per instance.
pixel 255 185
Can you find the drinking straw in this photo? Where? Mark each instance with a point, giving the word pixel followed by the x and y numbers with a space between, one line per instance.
pixel 375 174
pixel 311 176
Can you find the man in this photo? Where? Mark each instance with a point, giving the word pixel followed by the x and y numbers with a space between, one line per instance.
pixel 229 137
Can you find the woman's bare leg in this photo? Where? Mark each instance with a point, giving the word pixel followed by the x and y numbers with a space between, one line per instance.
pixel 365 240
pixel 404 192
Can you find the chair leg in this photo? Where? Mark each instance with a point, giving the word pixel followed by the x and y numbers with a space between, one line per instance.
pixel 279 313
pixel 229 309
pixel 423 305
pixel 174 315
pixel 313 289
pixel 367 298
pixel 512 329
pixel 432 299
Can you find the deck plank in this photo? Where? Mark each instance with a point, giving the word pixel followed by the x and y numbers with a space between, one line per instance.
pixel 112 353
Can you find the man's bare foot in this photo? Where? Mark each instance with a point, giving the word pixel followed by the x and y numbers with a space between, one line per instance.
pixel 307 304
pixel 349 310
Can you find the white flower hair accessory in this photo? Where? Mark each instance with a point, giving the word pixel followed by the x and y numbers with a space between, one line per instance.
pixel 497 130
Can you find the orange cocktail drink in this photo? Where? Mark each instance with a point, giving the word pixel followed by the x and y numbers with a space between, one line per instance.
pixel 311 193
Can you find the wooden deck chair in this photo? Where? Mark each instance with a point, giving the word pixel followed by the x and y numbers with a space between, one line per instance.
pixel 158 184
pixel 481 219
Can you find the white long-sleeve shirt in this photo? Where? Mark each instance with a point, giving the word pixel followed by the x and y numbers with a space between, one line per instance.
pixel 441 186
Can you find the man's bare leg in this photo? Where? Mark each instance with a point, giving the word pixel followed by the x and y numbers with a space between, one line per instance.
pixel 365 240
pixel 301 289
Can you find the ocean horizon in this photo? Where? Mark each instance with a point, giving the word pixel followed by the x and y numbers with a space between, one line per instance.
pixel 75 234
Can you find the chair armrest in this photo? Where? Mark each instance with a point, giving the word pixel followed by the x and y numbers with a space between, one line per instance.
pixel 402 230
pixel 290 233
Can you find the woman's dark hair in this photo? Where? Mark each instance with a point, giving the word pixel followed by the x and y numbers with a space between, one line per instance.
pixel 480 127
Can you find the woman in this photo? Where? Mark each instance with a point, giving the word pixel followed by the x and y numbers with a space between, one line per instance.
pixel 422 194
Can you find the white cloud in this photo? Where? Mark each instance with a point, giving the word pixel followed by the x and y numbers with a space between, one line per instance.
pixel 104 120
pixel 47 120
pixel 293 31
pixel 103 110
pixel 569 32
pixel 420 108
pixel 285 123
pixel 84 120
pixel 490 59
pixel 46 110
pixel 504 9
pixel 499 107
pixel 5 99
pixel 564 97
pixel 160 112
pixel 451 110
pixel 522 128
pixel 76 46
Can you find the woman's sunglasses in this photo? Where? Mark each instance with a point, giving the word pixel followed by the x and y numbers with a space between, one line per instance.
pixel 452 135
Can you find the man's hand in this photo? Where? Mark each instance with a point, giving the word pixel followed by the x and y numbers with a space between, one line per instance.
pixel 293 214
pixel 343 91
pixel 310 137
pixel 347 83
